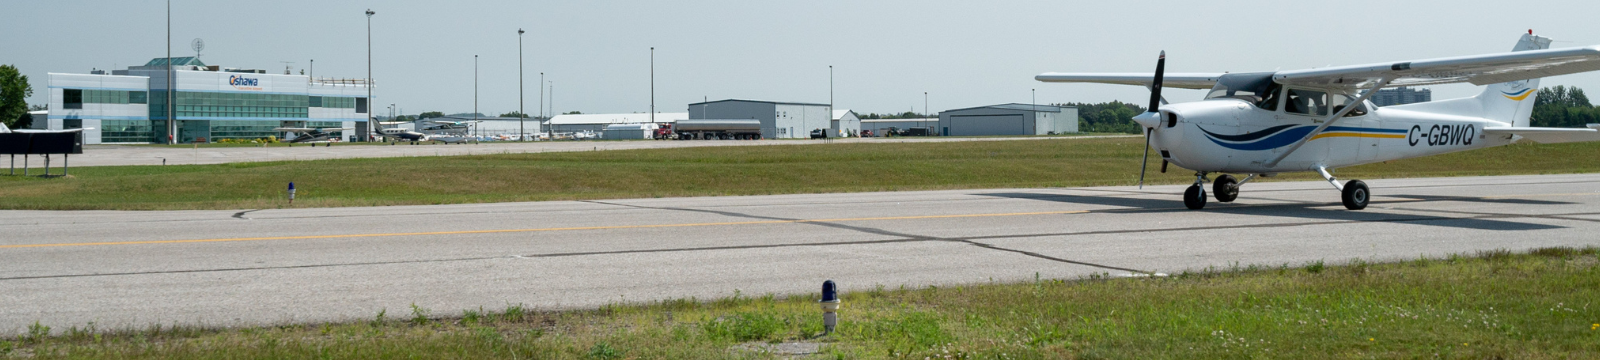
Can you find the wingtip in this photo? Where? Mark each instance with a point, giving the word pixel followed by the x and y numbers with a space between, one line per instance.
pixel 1163 54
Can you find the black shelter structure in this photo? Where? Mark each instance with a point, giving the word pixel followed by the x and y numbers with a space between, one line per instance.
pixel 41 143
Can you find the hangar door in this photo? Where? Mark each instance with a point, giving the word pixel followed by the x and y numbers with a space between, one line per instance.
pixel 979 125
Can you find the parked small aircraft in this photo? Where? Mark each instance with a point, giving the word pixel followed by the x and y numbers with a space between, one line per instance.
pixel 1266 123
pixel 311 135
pixel 397 134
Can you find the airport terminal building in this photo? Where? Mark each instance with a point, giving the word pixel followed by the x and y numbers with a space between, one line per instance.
pixel 213 103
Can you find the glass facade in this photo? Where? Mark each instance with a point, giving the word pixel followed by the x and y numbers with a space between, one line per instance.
pixel 75 98
pixel 230 115
pixel 126 131
pixel 245 129
pixel 333 102
pixel 231 105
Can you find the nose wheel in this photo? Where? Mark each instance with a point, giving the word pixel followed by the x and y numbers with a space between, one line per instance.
pixel 1195 197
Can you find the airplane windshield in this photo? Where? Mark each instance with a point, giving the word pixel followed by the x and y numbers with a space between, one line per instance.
pixel 1256 88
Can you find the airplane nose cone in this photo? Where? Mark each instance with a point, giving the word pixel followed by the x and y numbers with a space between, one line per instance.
pixel 1148 119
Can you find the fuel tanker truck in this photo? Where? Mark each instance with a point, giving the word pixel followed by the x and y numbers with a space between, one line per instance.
pixel 714 130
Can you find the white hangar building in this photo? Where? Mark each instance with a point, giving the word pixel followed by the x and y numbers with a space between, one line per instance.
pixel 779 120
pixel 1008 119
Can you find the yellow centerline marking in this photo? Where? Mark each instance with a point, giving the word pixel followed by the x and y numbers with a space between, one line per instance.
pixel 461 232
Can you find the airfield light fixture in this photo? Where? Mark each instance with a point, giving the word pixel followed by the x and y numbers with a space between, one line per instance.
pixel 830 306
pixel 291 192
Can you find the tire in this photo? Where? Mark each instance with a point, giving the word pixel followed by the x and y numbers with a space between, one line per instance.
pixel 1195 197
pixel 1356 195
pixel 1225 188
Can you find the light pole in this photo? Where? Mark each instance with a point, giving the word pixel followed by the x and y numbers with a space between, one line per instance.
pixel 522 126
pixel 474 94
pixel 830 96
pixel 924 104
pixel 172 123
pixel 652 84
pixel 541 96
pixel 313 69
pixel 370 124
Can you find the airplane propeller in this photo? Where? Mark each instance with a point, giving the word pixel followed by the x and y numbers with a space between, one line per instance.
pixel 1152 115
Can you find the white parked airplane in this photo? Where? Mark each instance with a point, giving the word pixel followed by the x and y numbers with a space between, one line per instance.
pixel 1262 124
pixel 397 134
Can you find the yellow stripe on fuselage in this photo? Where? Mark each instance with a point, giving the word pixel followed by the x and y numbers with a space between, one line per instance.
pixel 1365 135
pixel 1519 97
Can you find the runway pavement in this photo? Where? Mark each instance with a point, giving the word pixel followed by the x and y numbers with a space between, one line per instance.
pixel 114 155
pixel 253 267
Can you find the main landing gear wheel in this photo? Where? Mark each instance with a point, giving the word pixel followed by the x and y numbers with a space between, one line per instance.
pixel 1195 197
pixel 1356 195
pixel 1226 188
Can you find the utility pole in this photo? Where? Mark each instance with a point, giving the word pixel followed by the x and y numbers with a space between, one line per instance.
pixel 370 123
pixel 522 126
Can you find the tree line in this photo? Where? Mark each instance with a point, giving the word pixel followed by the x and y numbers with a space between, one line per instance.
pixel 1562 106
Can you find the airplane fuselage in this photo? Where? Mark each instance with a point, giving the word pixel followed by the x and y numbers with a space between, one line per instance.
pixel 1235 136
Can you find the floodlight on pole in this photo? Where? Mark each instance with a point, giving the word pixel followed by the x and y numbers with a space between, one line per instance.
pixel 370 123
pixel 522 127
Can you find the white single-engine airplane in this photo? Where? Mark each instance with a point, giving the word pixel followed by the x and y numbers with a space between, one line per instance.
pixel 1262 124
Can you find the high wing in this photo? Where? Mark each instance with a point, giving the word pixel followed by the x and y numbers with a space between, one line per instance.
pixel 298 130
pixel 1476 69
pixel 1201 81
pixel 4 130
pixel 334 129
pixel 1547 135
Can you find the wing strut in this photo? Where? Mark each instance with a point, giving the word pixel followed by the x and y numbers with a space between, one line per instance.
pixel 1331 119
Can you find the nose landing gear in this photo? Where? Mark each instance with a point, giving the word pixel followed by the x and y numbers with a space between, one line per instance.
pixel 1194 198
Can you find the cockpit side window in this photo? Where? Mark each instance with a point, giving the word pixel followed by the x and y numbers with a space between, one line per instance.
pixel 1342 100
pixel 1307 102
pixel 1270 102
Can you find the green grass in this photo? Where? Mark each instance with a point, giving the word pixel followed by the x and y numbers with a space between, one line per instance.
pixel 1541 305
pixel 704 171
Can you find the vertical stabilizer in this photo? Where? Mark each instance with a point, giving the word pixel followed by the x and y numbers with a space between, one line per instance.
pixel 1512 102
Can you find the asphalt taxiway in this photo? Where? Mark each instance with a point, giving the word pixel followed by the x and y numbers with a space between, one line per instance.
pixel 246 267
pixel 116 155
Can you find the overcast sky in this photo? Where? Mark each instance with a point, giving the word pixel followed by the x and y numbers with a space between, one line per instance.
pixel 885 54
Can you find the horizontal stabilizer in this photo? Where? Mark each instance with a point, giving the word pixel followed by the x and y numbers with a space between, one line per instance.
pixel 1547 135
